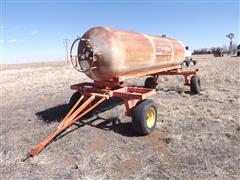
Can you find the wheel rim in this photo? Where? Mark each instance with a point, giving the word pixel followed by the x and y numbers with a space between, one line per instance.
pixel 151 116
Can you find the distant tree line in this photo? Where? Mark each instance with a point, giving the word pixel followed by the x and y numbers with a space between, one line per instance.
pixel 212 50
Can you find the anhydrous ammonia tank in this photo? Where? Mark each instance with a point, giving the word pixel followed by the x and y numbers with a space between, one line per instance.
pixel 105 54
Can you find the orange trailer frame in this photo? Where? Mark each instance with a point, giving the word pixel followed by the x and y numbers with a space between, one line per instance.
pixel 103 91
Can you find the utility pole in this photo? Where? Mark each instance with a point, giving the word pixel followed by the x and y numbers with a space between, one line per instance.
pixel 66 41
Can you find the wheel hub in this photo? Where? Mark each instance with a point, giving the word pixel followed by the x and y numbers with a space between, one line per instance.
pixel 151 117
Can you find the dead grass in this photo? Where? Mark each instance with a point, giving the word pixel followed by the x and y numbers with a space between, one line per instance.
pixel 197 137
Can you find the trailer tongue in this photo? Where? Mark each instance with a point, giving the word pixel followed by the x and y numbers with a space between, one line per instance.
pixel 130 95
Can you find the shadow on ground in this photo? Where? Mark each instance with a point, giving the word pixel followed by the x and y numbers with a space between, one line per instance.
pixel 173 89
pixel 56 114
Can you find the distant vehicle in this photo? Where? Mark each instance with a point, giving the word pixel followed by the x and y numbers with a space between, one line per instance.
pixel 238 50
pixel 218 53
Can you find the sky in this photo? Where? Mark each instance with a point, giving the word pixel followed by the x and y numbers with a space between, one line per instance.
pixel 35 30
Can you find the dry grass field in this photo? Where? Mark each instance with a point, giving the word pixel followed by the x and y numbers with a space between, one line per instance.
pixel 197 136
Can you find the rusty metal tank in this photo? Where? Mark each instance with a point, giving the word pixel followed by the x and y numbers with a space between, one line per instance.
pixel 104 54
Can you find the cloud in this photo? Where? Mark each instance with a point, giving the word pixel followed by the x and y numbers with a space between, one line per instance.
pixel 16 40
pixel 2 41
pixel 34 33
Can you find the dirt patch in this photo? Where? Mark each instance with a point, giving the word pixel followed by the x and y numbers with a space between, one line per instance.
pixel 128 167
pixel 98 144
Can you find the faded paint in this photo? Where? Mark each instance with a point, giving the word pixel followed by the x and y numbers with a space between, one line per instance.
pixel 118 53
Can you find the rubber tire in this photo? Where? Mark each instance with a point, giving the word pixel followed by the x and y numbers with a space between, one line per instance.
pixel 74 98
pixel 238 53
pixel 195 85
pixel 149 83
pixel 139 115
